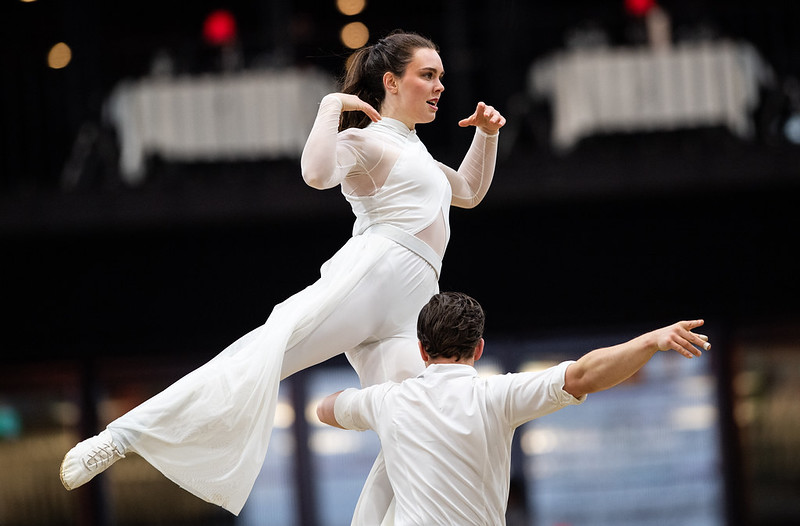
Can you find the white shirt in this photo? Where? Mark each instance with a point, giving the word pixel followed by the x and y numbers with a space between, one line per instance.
pixel 446 436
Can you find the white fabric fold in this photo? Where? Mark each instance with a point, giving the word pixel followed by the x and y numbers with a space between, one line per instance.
pixel 209 431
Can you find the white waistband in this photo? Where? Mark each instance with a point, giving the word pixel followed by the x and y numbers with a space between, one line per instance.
pixel 409 241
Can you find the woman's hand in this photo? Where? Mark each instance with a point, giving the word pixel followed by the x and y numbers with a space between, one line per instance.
pixel 353 103
pixel 486 118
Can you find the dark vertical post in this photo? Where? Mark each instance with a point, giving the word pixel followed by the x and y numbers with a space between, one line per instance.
pixel 94 509
pixel 518 509
pixel 303 465
pixel 736 511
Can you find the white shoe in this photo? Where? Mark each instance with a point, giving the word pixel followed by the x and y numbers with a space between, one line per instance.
pixel 87 459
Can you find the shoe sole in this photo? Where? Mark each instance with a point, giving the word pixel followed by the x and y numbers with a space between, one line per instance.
pixel 61 474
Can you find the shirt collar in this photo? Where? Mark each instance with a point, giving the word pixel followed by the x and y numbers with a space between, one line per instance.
pixel 451 369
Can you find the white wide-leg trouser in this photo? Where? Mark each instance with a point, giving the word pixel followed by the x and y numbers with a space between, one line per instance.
pixel 209 431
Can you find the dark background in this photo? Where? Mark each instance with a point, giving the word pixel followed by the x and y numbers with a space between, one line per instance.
pixel 624 229
pixel 623 233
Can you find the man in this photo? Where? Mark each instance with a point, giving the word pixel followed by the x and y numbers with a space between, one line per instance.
pixel 446 434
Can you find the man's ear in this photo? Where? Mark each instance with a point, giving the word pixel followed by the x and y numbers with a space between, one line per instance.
pixel 422 353
pixel 390 82
pixel 479 350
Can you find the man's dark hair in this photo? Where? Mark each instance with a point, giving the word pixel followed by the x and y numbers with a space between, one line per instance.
pixel 450 325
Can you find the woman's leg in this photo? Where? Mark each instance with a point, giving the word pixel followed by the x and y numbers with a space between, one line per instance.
pixel 393 359
pixel 375 324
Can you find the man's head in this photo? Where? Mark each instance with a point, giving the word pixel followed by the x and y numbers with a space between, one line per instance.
pixel 450 327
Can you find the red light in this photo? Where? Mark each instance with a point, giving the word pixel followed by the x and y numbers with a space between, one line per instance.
pixel 639 8
pixel 219 28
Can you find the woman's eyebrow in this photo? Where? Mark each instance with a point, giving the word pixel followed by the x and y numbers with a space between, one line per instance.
pixel 431 69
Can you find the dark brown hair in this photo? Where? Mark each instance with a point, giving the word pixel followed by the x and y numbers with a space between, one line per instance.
pixel 450 325
pixel 364 69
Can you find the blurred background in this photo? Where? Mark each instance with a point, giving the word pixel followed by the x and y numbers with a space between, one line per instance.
pixel 152 211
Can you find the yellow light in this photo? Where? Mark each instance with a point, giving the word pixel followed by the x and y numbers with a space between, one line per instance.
pixel 284 415
pixel 350 7
pixel 533 366
pixel 59 56
pixel 354 35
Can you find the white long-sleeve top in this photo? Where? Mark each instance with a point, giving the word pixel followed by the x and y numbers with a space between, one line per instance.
pixel 388 176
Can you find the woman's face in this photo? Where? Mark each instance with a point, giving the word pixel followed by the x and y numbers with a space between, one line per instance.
pixel 417 92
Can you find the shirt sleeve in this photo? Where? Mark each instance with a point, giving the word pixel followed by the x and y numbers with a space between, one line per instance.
pixel 357 409
pixel 536 394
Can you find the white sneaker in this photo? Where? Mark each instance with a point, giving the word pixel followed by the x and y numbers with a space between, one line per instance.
pixel 87 459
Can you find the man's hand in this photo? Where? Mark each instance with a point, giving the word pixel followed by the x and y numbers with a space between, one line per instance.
pixel 604 368
pixel 679 337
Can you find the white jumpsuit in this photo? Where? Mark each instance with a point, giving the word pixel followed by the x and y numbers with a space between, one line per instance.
pixel 208 432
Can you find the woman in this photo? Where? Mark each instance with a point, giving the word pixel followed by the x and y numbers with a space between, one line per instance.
pixel 209 431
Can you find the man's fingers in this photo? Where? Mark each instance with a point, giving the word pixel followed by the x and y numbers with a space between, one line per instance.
pixel 704 341
pixel 699 340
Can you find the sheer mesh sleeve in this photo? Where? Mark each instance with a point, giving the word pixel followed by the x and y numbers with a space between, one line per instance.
pixel 471 181
pixel 322 164
pixel 349 158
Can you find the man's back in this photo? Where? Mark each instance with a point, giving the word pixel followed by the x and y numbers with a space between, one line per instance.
pixel 447 437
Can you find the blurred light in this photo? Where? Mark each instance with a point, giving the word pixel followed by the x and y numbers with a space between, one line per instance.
pixel 745 413
pixel 639 7
pixel 693 417
pixel 219 28
pixel 533 366
pixel 488 366
pixel 311 412
pixel 791 129
pixel 10 422
pixel 538 441
pixel 335 442
pixel 59 56
pixel 699 385
pixel 747 383
pixel 27 1
pixel 67 414
pixel 354 35
pixel 350 7
pixel 284 415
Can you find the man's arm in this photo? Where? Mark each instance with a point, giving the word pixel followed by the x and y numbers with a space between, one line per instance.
pixel 604 368
pixel 325 411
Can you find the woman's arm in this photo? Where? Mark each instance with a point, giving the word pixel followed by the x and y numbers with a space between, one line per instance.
pixel 604 368
pixel 319 164
pixel 471 181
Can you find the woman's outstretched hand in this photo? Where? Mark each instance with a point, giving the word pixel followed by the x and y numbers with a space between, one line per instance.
pixel 353 103
pixel 486 118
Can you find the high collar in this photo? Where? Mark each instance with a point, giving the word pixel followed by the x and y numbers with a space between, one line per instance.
pixel 393 126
